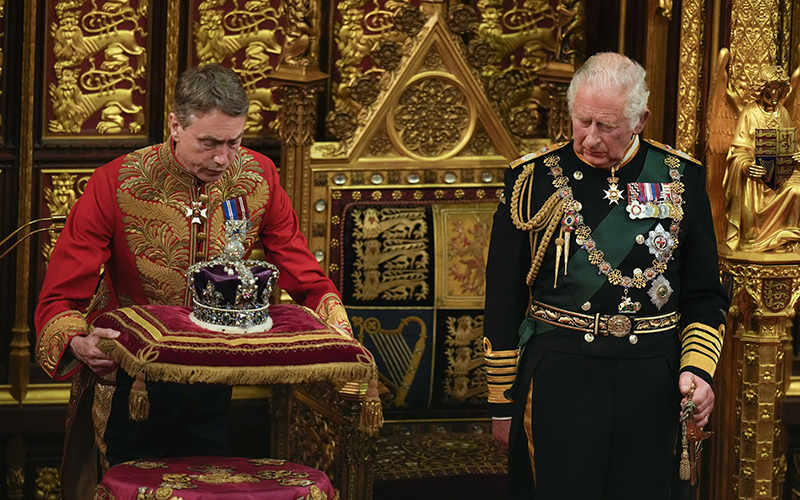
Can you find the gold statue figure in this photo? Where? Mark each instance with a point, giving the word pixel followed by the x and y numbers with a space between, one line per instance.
pixel 761 218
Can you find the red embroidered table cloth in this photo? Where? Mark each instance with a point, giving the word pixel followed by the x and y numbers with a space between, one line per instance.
pixel 210 478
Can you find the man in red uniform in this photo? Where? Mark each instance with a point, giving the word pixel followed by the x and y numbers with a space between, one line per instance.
pixel 144 219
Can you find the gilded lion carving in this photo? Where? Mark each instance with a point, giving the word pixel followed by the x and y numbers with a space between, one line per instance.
pixel 72 108
pixel 71 47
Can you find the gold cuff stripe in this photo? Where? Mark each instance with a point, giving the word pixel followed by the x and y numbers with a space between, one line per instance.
pixel 493 370
pixel 501 364
pixel 701 329
pixel 701 344
pixel 496 394
pixel 55 336
pixel 499 380
pixel 698 360
pixel 503 354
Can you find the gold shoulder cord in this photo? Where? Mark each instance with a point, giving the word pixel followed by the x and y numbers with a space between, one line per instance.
pixel 546 219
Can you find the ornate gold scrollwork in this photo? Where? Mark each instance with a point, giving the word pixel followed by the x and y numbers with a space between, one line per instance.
pixel 15 480
pixel 397 267
pixel 219 35
pixel 314 440
pixel 110 84
pixel 465 375
pixel 433 117
pixel 48 484
pixel 507 47
pixel 65 191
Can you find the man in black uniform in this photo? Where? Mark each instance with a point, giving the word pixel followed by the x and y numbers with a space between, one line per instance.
pixel 603 302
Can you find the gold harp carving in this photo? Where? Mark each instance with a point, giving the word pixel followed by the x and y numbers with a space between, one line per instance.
pixel 105 40
pixel 220 35
pixel 401 361
pixel 465 375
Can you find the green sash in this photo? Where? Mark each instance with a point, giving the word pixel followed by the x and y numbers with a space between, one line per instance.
pixel 615 237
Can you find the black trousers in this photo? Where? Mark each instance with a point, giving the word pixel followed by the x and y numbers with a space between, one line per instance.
pixel 185 420
pixel 602 428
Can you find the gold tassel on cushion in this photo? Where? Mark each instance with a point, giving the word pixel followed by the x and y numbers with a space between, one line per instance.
pixel 138 402
pixel 371 410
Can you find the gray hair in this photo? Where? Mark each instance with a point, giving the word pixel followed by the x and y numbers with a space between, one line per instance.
pixel 203 89
pixel 615 73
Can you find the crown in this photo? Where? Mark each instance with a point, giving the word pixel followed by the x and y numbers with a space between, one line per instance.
pixel 228 293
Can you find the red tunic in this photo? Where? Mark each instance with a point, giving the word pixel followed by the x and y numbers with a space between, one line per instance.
pixel 135 221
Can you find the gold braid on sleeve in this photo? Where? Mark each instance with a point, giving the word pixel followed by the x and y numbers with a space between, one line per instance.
pixel 51 345
pixel 501 369
pixel 701 346
pixel 544 222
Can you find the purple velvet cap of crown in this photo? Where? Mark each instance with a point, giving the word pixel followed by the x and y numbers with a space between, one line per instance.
pixel 228 285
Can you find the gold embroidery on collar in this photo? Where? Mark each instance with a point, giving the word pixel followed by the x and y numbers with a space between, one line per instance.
pixel 153 194
pixel 158 234
pixel 171 163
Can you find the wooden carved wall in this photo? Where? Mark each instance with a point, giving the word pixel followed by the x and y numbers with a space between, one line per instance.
pixel 391 122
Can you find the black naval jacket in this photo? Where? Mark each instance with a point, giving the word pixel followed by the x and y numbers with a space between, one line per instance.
pixel 692 272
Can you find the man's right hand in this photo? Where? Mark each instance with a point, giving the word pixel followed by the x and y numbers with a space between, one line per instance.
pixel 86 351
pixel 500 431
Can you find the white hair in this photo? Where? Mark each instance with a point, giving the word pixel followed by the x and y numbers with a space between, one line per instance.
pixel 613 73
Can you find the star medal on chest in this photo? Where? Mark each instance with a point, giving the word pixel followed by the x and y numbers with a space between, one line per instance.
pixel 613 193
pixel 660 242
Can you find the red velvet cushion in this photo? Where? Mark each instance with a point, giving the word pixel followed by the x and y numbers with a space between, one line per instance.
pixel 164 344
pixel 212 478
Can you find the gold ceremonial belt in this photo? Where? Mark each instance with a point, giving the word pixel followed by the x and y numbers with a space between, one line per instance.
pixel 617 325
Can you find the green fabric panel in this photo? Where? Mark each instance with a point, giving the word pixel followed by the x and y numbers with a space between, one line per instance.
pixel 615 237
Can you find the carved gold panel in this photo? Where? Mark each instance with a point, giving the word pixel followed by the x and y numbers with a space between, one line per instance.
pixel 248 38
pixel 96 60
pixel 504 47
pixel 461 250
pixel 465 374
pixel 61 189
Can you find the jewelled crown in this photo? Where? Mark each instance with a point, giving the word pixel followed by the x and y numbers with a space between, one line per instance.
pixel 227 291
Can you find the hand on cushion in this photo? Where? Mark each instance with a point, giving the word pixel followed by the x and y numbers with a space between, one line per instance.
pixel 86 351
pixel 331 310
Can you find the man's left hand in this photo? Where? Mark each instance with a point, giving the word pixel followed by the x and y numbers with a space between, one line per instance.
pixel 703 396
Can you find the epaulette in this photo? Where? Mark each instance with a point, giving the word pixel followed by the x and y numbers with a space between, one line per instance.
pixel 671 150
pixel 532 156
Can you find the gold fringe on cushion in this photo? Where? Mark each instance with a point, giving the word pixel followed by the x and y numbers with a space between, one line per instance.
pixel 371 410
pixel 363 371
pixel 138 402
